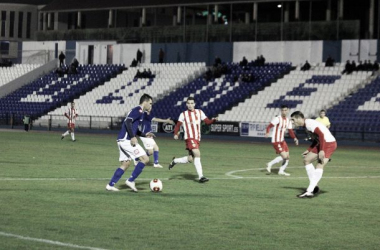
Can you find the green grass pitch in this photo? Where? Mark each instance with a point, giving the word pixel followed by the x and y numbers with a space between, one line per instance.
pixel 54 191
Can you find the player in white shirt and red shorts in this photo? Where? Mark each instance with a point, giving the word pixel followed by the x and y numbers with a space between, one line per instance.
pixel 321 149
pixel 71 115
pixel 190 120
pixel 280 124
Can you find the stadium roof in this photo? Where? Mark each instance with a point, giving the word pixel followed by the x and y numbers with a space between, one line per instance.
pixel 74 5
pixel 30 2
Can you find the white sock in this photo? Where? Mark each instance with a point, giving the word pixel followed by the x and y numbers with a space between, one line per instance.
pixel 72 136
pixel 66 133
pixel 284 165
pixel 310 170
pixel 316 178
pixel 275 160
pixel 198 166
pixel 181 160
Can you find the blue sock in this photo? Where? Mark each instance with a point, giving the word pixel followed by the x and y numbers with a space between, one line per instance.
pixel 138 169
pixel 116 176
pixel 155 157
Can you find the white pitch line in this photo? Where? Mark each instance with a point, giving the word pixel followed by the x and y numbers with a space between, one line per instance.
pixel 67 179
pixel 231 174
pixel 51 242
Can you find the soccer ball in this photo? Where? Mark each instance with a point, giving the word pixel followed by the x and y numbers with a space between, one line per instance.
pixel 155 185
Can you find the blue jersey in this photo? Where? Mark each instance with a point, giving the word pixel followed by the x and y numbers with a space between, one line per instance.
pixel 147 122
pixel 136 115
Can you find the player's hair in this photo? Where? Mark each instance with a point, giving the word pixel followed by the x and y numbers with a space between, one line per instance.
pixel 322 110
pixel 190 98
pixel 297 114
pixel 145 97
pixel 284 107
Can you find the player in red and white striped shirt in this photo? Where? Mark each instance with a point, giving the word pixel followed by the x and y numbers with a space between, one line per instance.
pixel 322 147
pixel 71 114
pixel 280 124
pixel 190 120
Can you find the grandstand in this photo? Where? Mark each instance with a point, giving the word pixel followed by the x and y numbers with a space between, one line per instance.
pixel 309 91
pixel 117 96
pixel 9 74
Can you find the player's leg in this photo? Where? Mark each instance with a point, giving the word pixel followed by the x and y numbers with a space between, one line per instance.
pixel 182 160
pixel 156 150
pixel 137 151
pixel 125 160
pixel 318 172
pixel 198 165
pixel 278 159
pixel 309 158
pixel 285 162
pixel 67 132
pixel 72 132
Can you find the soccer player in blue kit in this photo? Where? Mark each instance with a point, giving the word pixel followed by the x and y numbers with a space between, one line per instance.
pixel 128 145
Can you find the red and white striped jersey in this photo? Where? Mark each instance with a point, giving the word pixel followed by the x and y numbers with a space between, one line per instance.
pixel 281 124
pixel 71 114
pixel 191 123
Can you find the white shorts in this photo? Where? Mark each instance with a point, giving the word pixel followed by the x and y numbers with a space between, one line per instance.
pixel 148 142
pixel 127 152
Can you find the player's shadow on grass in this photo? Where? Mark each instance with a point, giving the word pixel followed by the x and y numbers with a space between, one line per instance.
pixel 273 171
pixel 184 177
pixel 304 189
pixel 141 185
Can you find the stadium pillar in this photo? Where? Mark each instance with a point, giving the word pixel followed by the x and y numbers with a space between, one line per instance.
pixel 143 17
pixel 79 22
pixel 297 13
pixel 110 18
pixel 254 11
pixel 371 18
pixel 179 16
pixel 56 20
pixel 247 18
pixel 49 20
pixel 341 7
pixel 328 11
pixel 286 12
pixel 44 22
pixel 216 11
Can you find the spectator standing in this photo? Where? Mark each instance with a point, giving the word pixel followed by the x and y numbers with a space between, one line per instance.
pixel 26 121
pixel 161 55
pixel 323 119
pixel 139 55
pixel 61 59
pixel 306 66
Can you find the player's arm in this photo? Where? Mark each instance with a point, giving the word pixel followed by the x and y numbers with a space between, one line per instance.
pixel 268 129
pixel 329 123
pixel 322 143
pixel 293 135
pixel 66 115
pixel 210 121
pixel 176 129
pixel 128 124
pixel 163 120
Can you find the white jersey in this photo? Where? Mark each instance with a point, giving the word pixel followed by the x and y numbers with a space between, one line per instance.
pixel 72 113
pixel 191 123
pixel 281 124
pixel 311 125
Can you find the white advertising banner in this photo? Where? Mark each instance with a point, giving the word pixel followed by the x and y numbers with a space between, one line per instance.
pixel 253 129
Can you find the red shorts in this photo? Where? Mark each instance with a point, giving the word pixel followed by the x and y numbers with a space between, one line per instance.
pixel 280 147
pixel 70 125
pixel 329 149
pixel 192 144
